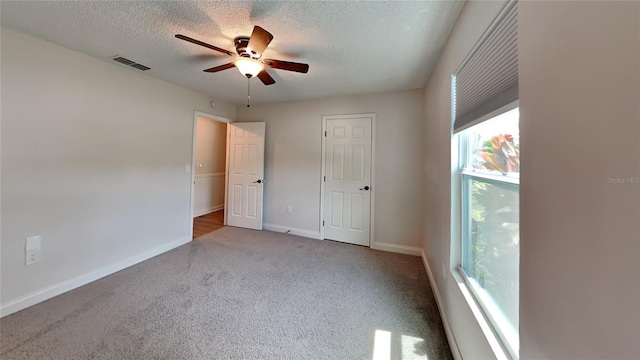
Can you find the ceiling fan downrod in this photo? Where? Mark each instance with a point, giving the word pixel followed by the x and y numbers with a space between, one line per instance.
pixel 248 91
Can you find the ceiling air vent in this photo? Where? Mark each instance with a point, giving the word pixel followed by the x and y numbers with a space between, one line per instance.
pixel 140 67
pixel 133 64
pixel 123 60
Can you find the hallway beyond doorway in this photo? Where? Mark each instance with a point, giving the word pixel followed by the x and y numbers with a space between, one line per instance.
pixel 207 223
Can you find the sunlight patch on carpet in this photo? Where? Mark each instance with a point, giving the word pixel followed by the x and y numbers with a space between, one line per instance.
pixel 382 345
pixel 412 348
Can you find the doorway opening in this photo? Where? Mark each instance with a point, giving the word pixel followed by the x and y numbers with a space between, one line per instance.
pixel 209 175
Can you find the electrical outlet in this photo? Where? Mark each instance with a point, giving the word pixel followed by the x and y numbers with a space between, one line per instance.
pixel 444 271
pixel 32 249
pixel 33 256
pixel 289 209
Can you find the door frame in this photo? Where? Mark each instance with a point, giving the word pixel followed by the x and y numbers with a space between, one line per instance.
pixel 373 168
pixel 197 114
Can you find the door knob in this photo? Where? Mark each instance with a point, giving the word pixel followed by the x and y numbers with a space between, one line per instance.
pixel 366 188
pixel 258 181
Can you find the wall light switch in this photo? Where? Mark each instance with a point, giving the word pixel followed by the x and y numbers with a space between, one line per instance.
pixel 187 168
pixel 33 243
pixel 289 209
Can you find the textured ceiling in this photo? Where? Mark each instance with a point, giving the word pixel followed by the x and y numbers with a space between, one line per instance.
pixel 351 47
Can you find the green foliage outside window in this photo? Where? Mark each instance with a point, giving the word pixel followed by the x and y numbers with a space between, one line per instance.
pixel 494 247
pixel 491 246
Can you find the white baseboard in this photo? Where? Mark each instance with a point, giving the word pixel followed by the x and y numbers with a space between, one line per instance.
pixel 208 211
pixel 292 231
pixel 402 249
pixel 41 295
pixel 453 344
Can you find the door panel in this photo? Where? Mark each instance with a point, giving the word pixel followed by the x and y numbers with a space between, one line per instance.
pixel 252 201
pixel 337 205
pixel 357 162
pixel 252 167
pixel 338 162
pixel 357 216
pixel 347 205
pixel 237 159
pixel 246 171
pixel 236 204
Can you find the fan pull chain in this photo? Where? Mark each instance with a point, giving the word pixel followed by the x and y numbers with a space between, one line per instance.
pixel 248 92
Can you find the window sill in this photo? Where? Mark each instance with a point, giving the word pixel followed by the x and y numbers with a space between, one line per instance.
pixel 495 344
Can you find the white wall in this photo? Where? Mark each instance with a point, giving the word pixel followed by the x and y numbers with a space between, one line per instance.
pixel 580 124
pixel 210 162
pixel 93 159
pixel 293 161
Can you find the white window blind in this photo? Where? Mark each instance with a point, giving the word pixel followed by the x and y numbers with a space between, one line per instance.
pixel 487 79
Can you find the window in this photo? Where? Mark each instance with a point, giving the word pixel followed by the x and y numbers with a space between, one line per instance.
pixel 485 197
pixel 489 241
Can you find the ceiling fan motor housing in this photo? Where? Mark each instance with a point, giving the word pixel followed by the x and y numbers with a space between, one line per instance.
pixel 241 48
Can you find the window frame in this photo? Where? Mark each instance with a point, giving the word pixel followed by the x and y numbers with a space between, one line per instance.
pixel 489 310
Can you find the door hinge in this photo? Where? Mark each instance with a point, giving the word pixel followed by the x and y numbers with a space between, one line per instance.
pixel 322 222
pixel 325 178
pixel 325 134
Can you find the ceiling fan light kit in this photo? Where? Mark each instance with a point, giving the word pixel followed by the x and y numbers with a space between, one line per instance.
pixel 248 67
pixel 249 51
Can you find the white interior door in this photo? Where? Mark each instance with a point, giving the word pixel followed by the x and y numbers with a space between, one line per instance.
pixel 347 182
pixel 246 175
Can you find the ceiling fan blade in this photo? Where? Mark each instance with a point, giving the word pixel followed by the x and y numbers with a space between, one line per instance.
pixel 260 39
pixel 198 42
pixel 266 78
pixel 286 65
pixel 220 68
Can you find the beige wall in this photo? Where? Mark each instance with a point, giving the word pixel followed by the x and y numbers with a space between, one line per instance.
pixel 93 159
pixel 293 161
pixel 580 125
pixel 210 162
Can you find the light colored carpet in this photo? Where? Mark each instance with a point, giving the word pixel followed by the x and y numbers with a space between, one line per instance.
pixel 241 294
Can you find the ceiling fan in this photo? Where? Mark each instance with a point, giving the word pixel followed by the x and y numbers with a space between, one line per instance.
pixel 249 56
